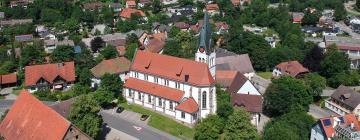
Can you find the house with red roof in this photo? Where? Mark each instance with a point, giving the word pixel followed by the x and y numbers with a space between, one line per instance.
pixel 251 103
pixel 7 80
pixel 235 82
pixel 127 12
pixel 344 127
pixel 55 76
pixel 130 4
pixel 153 42
pixel 30 119
pixel 212 9
pixel 289 68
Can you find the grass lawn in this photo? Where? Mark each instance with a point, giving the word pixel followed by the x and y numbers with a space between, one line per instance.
pixel 163 123
pixel 266 75
pixel 2 97
pixel 16 92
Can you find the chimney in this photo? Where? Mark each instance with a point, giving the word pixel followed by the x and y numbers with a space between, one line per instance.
pixel 352 125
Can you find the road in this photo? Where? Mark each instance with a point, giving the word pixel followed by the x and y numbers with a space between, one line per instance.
pixel 317 112
pixel 134 129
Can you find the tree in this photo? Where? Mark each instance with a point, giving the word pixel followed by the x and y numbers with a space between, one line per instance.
pixel 130 51
pixel 173 48
pixel 132 38
pixel 357 5
pixel 224 107
pixel 96 44
pixel 103 97
pixel 282 54
pixel 84 114
pixel 112 83
pixel 285 93
pixel 156 6
pixel 310 18
pixel 126 25
pixel 209 128
pixel 238 126
pixel 62 54
pixel 294 125
pixel 85 77
pixel 333 56
pixel 109 52
pixel 32 54
pixel 81 89
pixel 346 79
pixel 72 25
pixel 313 59
pixel 173 31
pixel 316 83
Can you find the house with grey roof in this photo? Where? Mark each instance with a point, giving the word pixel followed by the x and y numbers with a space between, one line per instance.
pixel 344 101
pixel 227 60
pixel 51 44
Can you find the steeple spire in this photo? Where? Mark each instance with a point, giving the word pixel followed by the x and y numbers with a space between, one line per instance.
pixel 205 42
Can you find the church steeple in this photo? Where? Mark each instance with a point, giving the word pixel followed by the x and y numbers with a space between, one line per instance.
pixel 205 42
pixel 206 51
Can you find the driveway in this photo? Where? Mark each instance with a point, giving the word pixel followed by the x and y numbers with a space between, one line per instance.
pixel 8 92
pixel 133 128
pixel 317 112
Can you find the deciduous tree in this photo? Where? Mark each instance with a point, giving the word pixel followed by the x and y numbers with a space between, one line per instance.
pixel 316 83
pixel 112 83
pixel 62 54
pixel 209 128
pixel 238 126
pixel 109 52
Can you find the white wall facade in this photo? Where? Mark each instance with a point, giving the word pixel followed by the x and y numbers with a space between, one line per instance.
pixel 189 91
pixel 248 88
pixel 208 59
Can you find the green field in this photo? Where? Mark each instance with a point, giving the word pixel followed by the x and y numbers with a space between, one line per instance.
pixel 163 123
pixel 266 75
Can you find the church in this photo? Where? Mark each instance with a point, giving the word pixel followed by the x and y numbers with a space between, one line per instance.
pixel 178 87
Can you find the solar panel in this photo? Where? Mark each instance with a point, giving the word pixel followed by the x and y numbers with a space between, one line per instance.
pixel 341 119
pixel 327 122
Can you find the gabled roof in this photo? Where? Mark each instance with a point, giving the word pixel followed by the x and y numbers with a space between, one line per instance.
pixel 327 124
pixel 29 119
pixel 130 3
pixel 226 60
pixel 189 106
pixel 224 25
pixel 182 25
pixel 346 96
pixel 63 107
pixel 212 7
pixel 155 45
pixel 126 13
pixel 169 67
pixel 225 78
pixel 49 72
pixel 292 68
pixel 252 103
pixel 8 78
pixel 154 89
pixel 112 66
pixel 237 82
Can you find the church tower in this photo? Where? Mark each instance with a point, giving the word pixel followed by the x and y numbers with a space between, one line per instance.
pixel 206 51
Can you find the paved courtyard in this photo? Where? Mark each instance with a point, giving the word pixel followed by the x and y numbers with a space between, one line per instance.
pixel 318 112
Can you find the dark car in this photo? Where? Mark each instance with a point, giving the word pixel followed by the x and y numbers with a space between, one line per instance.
pixel 119 109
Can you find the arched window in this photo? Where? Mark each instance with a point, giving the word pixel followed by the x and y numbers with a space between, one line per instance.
pixel 204 100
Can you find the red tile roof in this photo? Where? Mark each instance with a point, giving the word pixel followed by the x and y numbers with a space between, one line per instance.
pixel 252 103
pixel 222 24
pixel 49 72
pixel 8 78
pixel 182 25
pixel 112 66
pixel 131 3
pixel 173 68
pixel 212 7
pixel 348 119
pixel 30 119
pixel 225 78
pixel 235 2
pixel 154 89
pixel 126 13
pixel 155 45
pixel 297 19
pixel 292 68
pixel 189 106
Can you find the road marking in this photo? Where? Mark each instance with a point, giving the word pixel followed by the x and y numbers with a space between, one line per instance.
pixel 137 128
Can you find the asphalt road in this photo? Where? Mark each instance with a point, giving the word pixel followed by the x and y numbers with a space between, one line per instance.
pixel 317 112
pixel 142 132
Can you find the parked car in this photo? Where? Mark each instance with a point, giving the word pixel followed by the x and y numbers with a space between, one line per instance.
pixel 144 117
pixel 119 109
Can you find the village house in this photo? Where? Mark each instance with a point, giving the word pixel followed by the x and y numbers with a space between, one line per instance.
pixel 251 103
pixel 227 60
pixel 99 28
pixel 160 28
pixel 235 82
pixel 343 127
pixel 289 68
pixel 30 119
pixel 181 88
pixel 127 12
pixel 348 45
pixel 116 7
pixel 20 3
pixel 12 22
pixel 51 44
pixel 297 17
pixel 8 80
pixel 221 27
pixel 183 26
pixel 119 66
pixel 212 9
pixel 167 2
pixel 56 76
pixel 153 42
pixel 92 6
pixel 344 101
pixel 130 4
pixel 143 3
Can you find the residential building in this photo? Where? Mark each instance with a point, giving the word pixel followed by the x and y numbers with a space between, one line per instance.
pixel 297 17
pixel 2 15
pixel 63 107
pixel 167 2
pixel 127 12
pixel 20 3
pixel 235 82
pixel 56 76
pixel 340 127
pixel 227 60
pixel 8 80
pixel 180 88
pixel 160 28
pixel 51 44
pixel 271 41
pixel 153 42
pixel 344 101
pixel 251 103
pixel 92 6
pixel 183 26
pixel 221 27
pixel 30 119
pixel 99 28
pixel 24 38
pixel 143 3
pixel 289 68
pixel 212 9
pixel 116 7
pixel 119 66
pixel 348 45
pixel 13 22
pixel 130 4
